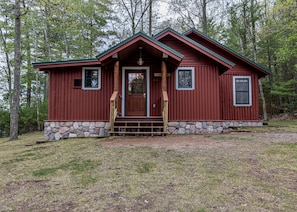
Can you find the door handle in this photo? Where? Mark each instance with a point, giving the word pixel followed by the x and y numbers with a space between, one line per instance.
pixel 144 95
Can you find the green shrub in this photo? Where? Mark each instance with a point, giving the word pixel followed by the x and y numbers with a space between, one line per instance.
pixel 4 123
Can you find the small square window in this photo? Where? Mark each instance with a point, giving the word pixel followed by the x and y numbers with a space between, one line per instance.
pixel 242 95
pixel 77 83
pixel 185 78
pixel 91 78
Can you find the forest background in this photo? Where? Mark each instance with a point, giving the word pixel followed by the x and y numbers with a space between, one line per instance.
pixel 52 30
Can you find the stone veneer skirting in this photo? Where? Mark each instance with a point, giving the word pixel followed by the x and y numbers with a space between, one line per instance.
pixel 56 130
pixel 207 127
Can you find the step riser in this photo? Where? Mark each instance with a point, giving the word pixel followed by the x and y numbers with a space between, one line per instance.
pixel 138 126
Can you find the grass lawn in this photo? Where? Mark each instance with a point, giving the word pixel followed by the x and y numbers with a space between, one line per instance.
pixel 235 173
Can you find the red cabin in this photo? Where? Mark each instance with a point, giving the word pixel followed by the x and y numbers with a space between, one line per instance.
pixel 171 83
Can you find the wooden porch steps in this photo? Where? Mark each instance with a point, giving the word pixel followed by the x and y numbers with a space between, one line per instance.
pixel 133 126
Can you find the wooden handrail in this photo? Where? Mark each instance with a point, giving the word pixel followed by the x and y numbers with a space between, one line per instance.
pixel 165 109
pixel 113 109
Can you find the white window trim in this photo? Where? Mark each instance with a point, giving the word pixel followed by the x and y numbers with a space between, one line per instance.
pixel 193 78
pixel 83 77
pixel 250 91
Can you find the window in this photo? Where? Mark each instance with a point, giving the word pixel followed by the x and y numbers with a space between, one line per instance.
pixel 185 78
pixel 242 91
pixel 91 78
pixel 77 83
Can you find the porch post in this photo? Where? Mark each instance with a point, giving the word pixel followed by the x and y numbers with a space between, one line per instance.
pixel 164 96
pixel 114 97
pixel 164 76
pixel 116 76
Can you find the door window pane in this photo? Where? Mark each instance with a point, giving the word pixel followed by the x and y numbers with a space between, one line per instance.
pixel 135 83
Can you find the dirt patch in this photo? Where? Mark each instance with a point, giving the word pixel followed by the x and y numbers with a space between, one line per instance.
pixel 199 142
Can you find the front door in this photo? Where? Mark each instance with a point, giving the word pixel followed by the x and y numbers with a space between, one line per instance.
pixel 136 92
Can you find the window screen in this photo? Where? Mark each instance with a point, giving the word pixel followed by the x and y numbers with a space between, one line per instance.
pixel 242 91
pixel 91 78
pixel 185 79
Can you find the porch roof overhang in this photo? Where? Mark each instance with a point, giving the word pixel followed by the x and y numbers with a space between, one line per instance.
pixel 44 66
pixel 123 50
pixel 262 70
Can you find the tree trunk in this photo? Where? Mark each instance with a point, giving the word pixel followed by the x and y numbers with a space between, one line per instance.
pixel 8 72
pixel 204 17
pixel 29 70
pixel 14 114
pixel 252 35
pixel 150 17
pixel 37 100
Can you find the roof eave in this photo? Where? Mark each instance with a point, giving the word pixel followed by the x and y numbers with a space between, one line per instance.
pixel 69 63
pixel 140 37
pixel 225 62
pixel 260 68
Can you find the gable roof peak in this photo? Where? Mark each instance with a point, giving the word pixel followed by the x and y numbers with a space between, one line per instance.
pixel 219 58
pixel 145 38
pixel 227 49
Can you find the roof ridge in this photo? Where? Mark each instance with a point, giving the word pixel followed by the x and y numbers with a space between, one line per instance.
pixel 228 49
pixel 196 44
pixel 140 33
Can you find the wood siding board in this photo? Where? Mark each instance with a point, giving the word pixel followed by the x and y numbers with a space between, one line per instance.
pixel 68 103
pixel 202 103
pixel 198 104
pixel 226 52
pixel 195 45
pixel 228 110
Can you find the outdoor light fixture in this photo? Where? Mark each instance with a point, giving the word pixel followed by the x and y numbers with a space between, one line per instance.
pixel 140 60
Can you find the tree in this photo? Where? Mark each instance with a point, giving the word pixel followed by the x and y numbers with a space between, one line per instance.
pixel 201 14
pixel 14 113
pixel 137 13
pixel 6 39
pixel 244 17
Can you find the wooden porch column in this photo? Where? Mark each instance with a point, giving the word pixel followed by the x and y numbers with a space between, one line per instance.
pixel 164 96
pixel 164 76
pixel 115 95
pixel 116 76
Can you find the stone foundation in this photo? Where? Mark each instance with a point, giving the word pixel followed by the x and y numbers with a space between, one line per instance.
pixel 55 130
pixel 207 127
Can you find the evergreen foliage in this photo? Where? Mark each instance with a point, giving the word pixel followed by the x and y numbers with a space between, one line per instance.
pixel 4 123
pixel 27 119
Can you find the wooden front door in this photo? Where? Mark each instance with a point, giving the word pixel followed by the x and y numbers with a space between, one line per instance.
pixel 136 93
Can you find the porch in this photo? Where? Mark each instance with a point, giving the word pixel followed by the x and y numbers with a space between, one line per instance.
pixel 131 121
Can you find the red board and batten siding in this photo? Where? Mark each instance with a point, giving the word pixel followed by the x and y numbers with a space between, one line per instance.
pixel 67 103
pixel 228 110
pixel 202 103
